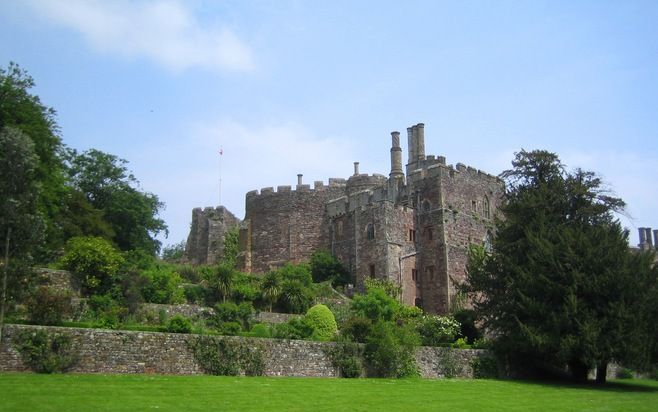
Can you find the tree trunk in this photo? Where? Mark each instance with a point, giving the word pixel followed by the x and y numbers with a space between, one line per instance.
pixel 601 372
pixel 4 283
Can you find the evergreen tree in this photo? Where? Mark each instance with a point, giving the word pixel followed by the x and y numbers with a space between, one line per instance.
pixel 559 286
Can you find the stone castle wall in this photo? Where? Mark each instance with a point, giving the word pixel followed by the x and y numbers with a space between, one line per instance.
pixel 110 351
pixel 205 243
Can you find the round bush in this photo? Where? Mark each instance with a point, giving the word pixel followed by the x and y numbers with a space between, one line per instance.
pixel 322 320
pixel 179 324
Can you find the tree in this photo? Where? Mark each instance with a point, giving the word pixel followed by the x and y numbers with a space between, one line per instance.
pixel 558 287
pixel 271 288
pixel 109 187
pixel 325 266
pixel 20 224
pixel 94 261
pixel 23 111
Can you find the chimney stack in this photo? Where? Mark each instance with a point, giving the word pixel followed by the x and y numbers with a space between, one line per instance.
pixel 643 238
pixel 655 238
pixel 420 139
pixel 648 237
pixel 356 168
pixel 299 179
pixel 396 156
pixel 412 150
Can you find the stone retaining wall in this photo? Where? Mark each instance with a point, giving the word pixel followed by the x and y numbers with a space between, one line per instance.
pixel 110 351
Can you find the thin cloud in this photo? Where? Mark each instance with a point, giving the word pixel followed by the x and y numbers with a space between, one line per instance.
pixel 166 32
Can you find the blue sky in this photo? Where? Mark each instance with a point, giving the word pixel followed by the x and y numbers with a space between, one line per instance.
pixel 289 87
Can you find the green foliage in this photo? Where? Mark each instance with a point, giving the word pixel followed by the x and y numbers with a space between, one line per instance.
pixel 347 357
pixel 22 115
pixel 230 312
pixel 295 328
pixel 390 288
pixel 162 286
pixel 194 294
pixel 48 307
pixel 246 288
pixel 260 330
pixel 271 288
pixel 189 273
pixel 179 324
pixel 297 273
pixel 44 352
pixel 221 283
pixel 468 330
pixel 94 261
pixel 322 321
pixel 389 350
pixel 109 186
pixel 231 246
pixel 296 297
pixel 375 305
pixel 437 330
pixel 485 367
pixel 173 253
pixel 624 373
pixel 107 311
pixel 220 356
pixel 326 267
pixel 560 286
pixel 357 328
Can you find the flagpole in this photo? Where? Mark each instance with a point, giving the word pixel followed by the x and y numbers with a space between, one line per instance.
pixel 221 153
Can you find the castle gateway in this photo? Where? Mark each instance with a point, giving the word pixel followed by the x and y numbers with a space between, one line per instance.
pixel 411 228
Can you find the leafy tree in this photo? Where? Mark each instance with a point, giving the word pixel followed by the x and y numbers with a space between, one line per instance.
pixel 271 288
pixel 109 187
pixel 173 253
pixel 94 261
pixel 222 281
pixel 20 224
pixel 557 287
pixel 23 111
pixel 325 266
pixel 375 305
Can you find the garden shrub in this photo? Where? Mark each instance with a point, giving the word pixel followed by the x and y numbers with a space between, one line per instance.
pixel 467 330
pixel 94 261
pixel 375 305
pixel 194 294
pixel 485 367
pixel 357 328
pixel 624 373
pixel 47 306
pixel 389 350
pixel 230 328
pixel 347 357
pixel 322 321
pixel 230 312
pixel 436 330
pixel 260 330
pixel 44 352
pixel 108 313
pixel 179 324
pixel 460 344
pixel 218 356
pixel 189 273
pixel 295 296
pixel 326 267
pixel 295 328
pixel 162 286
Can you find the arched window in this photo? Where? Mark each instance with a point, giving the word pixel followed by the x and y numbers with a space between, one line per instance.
pixel 486 208
pixel 370 231
pixel 426 205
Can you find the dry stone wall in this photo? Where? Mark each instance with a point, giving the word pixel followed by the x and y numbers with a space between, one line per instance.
pixel 109 351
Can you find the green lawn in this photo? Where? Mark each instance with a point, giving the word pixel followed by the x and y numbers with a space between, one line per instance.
pixel 31 392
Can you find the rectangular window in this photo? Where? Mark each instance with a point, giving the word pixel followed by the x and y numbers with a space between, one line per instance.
pixel 430 235
pixel 474 206
pixel 429 273
pixel 412 235
pixel 372 271
pixel 414 275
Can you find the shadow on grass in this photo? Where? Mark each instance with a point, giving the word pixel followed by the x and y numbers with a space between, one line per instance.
pixel 627 386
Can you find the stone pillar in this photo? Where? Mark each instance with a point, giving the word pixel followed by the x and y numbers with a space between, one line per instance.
pixel 643 238
pixel 420 141
pixel 396 156
pixel 299 179
pixel 648 237
pixel 412 150
pixel 356 168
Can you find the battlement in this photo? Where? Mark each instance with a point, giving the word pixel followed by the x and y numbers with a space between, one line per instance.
pixel 434 166
pixel 318 186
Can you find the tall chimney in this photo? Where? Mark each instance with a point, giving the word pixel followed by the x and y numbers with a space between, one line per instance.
pixel 655 238
pixel 643 238
pixel 412 150
pixel 420 139
pixel 299 179
pixel 648 236
pixel 356 168
pixel 396 156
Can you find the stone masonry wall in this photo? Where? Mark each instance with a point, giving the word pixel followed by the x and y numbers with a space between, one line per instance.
pixel 109 351
pixel 205 243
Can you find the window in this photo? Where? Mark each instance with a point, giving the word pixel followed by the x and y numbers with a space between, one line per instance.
pixel 372 271
pixel 370 231
pixel 418 302
pixel 429 233
pixel 486 208
pixel 339 229
pixel 474 206
pixel 426 205
pixel 412 235
pixel 414 275
pixel 429 273
pixel 488 246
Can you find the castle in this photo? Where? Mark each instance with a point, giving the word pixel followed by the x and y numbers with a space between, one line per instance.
pixel 413 227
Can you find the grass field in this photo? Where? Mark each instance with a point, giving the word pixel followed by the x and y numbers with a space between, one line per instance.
pixel 31 392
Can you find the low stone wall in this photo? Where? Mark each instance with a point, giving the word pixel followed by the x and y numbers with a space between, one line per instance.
pixel 273 317
pixel 109 351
